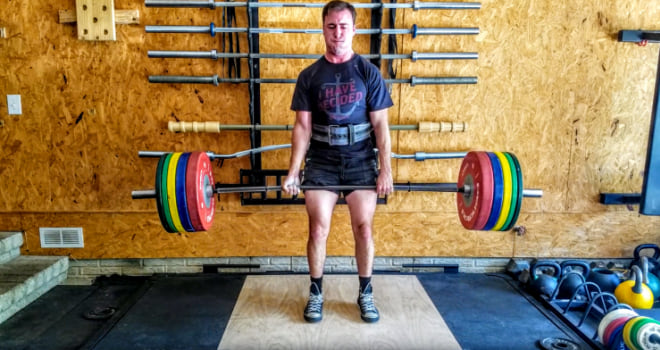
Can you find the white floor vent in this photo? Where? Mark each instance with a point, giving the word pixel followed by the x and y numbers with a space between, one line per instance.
pixel 61 237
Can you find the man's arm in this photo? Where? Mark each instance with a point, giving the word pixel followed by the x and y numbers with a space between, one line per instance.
pixel 381 127
pixel 302 131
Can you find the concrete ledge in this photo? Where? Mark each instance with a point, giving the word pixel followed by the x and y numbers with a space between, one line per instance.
pixel 10 245
pixel 26 278
pixel 85 271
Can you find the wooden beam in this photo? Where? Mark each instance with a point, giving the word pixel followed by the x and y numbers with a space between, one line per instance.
pixel 121 16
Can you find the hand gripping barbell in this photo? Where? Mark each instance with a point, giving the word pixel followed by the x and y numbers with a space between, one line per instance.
pixel 489 191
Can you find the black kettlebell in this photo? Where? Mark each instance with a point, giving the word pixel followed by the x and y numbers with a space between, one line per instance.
pixel 653 263
pixel 543 283
pixel 571 279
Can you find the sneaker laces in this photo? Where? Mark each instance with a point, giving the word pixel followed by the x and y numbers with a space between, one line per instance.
pixel 315 303
pixel 367 302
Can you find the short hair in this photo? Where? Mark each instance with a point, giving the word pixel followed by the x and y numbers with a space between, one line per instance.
pixel 337 5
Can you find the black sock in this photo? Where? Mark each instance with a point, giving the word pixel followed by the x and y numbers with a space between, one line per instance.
pixel 319 285
pixel 365 284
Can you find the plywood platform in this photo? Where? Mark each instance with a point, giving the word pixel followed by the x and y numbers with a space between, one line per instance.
pixel 268 315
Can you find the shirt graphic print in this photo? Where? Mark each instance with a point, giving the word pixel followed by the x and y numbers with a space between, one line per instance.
pixel 339 99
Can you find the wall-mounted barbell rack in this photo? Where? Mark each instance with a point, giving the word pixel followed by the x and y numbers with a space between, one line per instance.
pixel 253 56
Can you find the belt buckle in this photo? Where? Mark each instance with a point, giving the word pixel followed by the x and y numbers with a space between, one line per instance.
pixel 331 129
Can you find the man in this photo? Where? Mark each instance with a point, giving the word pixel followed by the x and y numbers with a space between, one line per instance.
pixel 339 101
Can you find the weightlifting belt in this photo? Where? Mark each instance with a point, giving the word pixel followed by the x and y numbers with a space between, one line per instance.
pixel 341 135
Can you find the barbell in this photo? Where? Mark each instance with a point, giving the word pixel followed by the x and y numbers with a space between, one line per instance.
pixel 489 191
pixel 215 127
pixel 215 80
pixel 211 29
pixel 415 5
pixel 214 54
pixel 417 156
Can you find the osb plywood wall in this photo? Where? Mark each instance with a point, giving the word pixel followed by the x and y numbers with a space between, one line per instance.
pixel 554 87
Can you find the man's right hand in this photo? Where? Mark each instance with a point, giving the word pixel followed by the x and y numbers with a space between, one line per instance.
pixel 291 185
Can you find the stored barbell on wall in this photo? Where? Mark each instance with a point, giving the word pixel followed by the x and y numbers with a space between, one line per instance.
pixel 215 80
pixel 212 29
pixel 489 191
pixel 415 5
pixel 216 127
pixel 418 156
pixel 214 54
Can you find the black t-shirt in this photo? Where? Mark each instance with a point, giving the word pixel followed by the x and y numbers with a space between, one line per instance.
pixel 341 94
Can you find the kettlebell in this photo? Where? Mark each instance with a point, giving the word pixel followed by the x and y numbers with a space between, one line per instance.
pixel 543 283
pixel 654 264
pixel 605 278
pixel 634 292
pixel 650 279
pixel 571 279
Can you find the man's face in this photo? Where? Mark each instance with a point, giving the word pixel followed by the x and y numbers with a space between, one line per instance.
pixel 338 31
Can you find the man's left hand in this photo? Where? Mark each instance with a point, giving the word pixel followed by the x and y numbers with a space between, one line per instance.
pixel 384 184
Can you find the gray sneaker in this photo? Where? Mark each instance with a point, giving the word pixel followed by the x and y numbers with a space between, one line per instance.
pixel 314 309
pixel 368 311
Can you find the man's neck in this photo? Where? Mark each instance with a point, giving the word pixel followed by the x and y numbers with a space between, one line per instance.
pixel 336 59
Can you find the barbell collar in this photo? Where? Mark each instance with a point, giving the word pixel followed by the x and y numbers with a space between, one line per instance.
pixel 215 80
pixel 416 5
pixel 213 54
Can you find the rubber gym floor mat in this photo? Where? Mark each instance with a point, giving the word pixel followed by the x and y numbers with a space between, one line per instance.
pixel 268 315
pixel 68 316
pixel 485 311
pixel 177 312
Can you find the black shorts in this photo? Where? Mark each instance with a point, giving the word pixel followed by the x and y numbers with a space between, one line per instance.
pixel 330 168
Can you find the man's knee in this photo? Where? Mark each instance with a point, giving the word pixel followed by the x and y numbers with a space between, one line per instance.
pixel 318 232
pixel 362 231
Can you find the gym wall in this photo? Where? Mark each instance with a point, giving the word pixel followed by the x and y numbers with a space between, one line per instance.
pixel 554 87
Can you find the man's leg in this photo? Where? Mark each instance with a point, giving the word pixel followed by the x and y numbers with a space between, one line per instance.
pixel 362 205
pixel 320 205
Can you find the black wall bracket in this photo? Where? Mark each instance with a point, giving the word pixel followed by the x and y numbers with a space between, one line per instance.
pixel 649 199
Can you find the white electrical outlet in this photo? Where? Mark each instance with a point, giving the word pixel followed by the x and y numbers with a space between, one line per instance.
pixel 14 104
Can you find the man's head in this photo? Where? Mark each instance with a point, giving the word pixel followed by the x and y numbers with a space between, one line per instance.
pixel 339 28
pixel 338 5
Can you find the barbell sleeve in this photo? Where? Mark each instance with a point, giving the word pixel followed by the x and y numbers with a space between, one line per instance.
pixel 416 5
pixel 213 54
pixel 216 127
pixel 215 80
pixel 400 187
pixel 212 30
